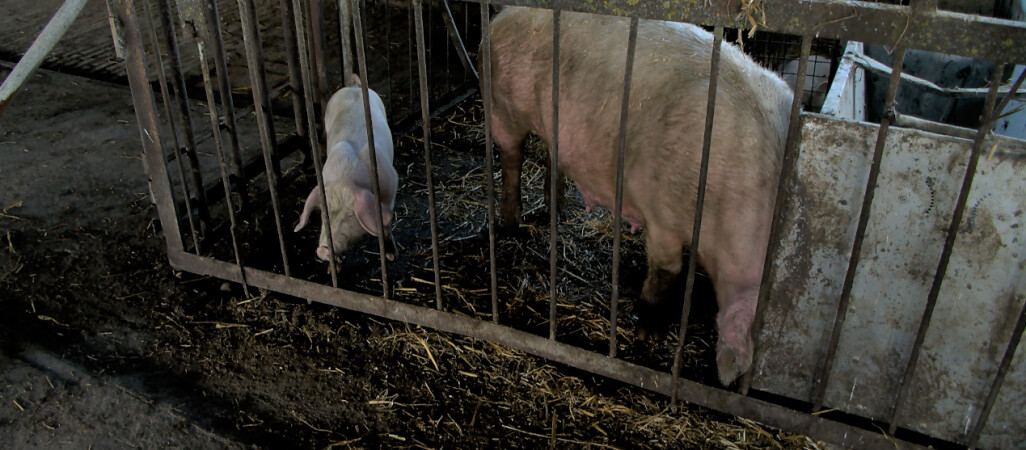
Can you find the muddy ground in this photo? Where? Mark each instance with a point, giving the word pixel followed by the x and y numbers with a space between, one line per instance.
pixel 105 346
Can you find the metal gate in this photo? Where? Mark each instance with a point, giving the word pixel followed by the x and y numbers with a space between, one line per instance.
pixel 891 305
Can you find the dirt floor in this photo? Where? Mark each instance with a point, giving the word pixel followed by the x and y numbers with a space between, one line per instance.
pixel 105 346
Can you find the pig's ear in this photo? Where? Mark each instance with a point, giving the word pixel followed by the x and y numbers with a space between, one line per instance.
pixel 354 80
pixel 312 201
pixel 363 204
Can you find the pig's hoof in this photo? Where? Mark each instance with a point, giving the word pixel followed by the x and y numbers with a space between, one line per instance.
pixel 731 364
pixel 651 324
pixel 508 230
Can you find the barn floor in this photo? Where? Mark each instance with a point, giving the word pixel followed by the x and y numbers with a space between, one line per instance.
pixel 104 346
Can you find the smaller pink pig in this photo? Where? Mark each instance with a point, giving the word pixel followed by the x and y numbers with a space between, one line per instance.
pixel 348 175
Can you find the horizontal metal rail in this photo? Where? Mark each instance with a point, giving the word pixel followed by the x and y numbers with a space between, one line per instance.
pixel 653 380
pixel 871 23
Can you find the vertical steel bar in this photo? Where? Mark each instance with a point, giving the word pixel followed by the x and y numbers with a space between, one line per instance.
pixel 167 25
pixel 986 125
pixel 457 41
pixel 213 35
pixel 999 378
pixel 388 57
pixel 305 29
pixel 409 64
pixel 295 78
pixel 201 46
pixel 787 169
pixel 632 41
pixel 173 125
pixel 127 32
pixel 554 195
pixel 265 121
pixel 318 40
pixel 344 22
pixel 315 140
pixel 823 377
pixel 361 58
pixel 486 100
pixel 425 117
pixel 710 110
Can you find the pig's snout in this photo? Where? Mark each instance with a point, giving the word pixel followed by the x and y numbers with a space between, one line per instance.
pixel 324 253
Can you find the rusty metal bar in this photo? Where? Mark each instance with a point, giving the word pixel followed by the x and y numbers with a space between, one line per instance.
pixel 128 38
pixel 890 106
pixel 409 54
pixel 218 142
pixel 1009 95
pixel 554 175
pixel 315 140
pixel 999 378
pixel 632 41
pixel 361 58
pixel 213 35
pixel 696 228
pixel 457 41
pixel 843 435
pixel 295 78
pixel 868 22
pixel 388 57
pixel 787 170
pixel 180 91
pixel 318 40
pixel 173 125
pixel 986 125
pixel 265 121
pixel 425 115
pixel 344 22
pixel 304 30
pixel 486 101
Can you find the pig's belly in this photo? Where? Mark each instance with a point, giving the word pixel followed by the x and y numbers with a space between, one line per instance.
pixel 630 213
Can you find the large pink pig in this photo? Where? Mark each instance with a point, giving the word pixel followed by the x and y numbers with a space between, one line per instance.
pixel 667 111
pixel 348 174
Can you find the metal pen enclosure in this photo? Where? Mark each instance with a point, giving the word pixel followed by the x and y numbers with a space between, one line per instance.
pixel 892 297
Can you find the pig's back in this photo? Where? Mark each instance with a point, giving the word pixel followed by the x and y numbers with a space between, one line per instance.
pixel 345 120
pixel 667 107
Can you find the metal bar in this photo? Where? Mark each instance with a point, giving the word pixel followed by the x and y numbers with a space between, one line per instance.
pixel 315 140
pixel 426 122
pixel 632 40
pixel 218 144
pixel 696 228
pixel 554 175
pixel 1011 93
pixel 787 170
pixel 986 125
pixel 999 378
pixel 457 41
pixel 388 57
pixel 486 101
pixel 40 48
pixel 344 22
pixel 361 58
pixel 265 121
pixel 314 94
pixel 213 35
pixel 126 32
pixel 173 125
pixel 318 40
pixel 295 79
pixel 842 435
pixel 868 22
pixel 409 54
pixel 890 107
pixel 180 92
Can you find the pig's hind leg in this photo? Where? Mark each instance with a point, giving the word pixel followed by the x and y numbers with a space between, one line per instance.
pixel 665 260
pixel 510 140
pixel 737 293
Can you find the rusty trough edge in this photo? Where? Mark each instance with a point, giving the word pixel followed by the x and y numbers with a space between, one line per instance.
pixel 871 23
pixel 659 382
